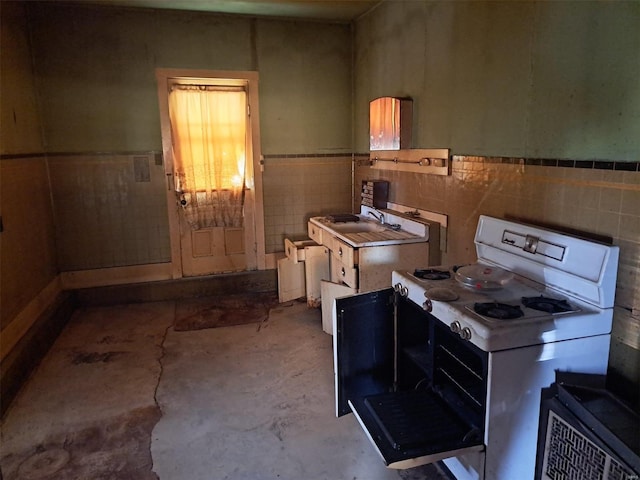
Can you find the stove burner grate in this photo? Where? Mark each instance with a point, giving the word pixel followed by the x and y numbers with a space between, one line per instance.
pixel 432 274
pixel 547 304
pixel 501 311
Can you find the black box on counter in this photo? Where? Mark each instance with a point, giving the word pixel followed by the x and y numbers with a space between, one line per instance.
pixel 375 193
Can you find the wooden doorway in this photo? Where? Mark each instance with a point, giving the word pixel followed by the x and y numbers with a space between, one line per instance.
pixel 210 249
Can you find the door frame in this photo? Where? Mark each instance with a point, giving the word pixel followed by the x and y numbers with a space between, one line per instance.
pixel 254 208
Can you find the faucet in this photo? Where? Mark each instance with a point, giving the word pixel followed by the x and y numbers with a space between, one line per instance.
pixel 380 218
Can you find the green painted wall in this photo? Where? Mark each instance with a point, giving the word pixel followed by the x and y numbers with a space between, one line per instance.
pixel 27 250
pixel 96 74
pixel 21 128
pixel 530 79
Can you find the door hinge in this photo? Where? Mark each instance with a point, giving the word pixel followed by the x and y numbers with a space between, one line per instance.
pixel 248 110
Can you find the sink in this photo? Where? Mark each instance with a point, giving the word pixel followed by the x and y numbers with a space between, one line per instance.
pixel 368 232
pixel 357 227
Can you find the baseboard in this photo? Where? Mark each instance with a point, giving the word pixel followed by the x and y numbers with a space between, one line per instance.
pixel 21 324
pixel 29 350
pixel 180 288
pixel 116 276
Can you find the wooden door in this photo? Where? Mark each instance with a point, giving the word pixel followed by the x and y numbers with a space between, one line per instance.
pixel 206 251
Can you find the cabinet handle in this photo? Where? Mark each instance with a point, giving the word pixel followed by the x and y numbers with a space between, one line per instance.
pixel 344 274
pixel 340 251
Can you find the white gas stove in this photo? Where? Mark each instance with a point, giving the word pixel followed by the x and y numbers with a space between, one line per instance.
pixel 463 352
pixel 530 286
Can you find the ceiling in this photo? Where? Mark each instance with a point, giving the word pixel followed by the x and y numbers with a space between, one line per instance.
pixel 326 10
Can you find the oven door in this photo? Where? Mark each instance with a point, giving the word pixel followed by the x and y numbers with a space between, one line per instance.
pixel 408 427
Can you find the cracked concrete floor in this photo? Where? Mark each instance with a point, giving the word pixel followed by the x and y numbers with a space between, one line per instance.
pixel 121 395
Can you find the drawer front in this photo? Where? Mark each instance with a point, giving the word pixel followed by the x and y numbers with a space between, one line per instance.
pixel 343 273
pixel 296 251
pixel 346 253
pixel 315 233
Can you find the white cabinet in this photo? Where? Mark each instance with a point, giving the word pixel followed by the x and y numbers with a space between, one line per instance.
pixel 361 269
pixel 315 271
pixel 291 281
pixel 300 273
pixel 331 291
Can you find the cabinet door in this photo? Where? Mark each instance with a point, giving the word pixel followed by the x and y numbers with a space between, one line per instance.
pixel 363 346
pixel 412 425
pixel 316 269
pixel 291 283
pixel 330 291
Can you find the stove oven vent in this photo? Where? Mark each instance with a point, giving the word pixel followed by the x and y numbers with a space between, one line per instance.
pixel 586 433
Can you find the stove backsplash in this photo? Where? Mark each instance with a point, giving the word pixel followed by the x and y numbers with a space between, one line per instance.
pixel 599 199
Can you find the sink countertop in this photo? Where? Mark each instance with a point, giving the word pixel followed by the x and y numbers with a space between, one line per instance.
pixel 368 232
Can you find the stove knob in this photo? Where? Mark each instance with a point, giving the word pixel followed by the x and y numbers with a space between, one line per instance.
pixel 427 305
pixel 465 333
pixel 455 327
pixel 401 290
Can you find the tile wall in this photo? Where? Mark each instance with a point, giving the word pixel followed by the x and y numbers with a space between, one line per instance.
pixel 109 210
pixel 297 187
pixel 28 253
pixel 572 196
pixel 597 199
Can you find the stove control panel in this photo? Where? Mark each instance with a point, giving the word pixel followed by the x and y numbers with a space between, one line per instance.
pixel 464 332
pixel 534 245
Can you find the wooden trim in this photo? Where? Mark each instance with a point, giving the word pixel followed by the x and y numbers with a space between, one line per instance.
pixel 116 276
pixel 254 231
pixel 21 324
pixel 163 76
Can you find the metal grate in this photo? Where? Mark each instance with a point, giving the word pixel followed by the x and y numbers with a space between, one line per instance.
pixel 569 455
pixel 413 418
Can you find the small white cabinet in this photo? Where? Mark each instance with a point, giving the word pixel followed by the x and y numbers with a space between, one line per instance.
pixel 299 274
pixel 356 268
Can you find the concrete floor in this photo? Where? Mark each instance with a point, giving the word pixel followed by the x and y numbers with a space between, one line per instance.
pixel 121 395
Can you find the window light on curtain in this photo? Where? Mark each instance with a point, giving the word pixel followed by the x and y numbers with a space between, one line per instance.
pixel 209 128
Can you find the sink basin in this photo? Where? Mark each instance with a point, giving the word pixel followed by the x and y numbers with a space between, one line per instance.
pixel 357 227
pixel 369 233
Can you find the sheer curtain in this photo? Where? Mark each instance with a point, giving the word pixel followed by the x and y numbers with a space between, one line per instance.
pixel 209 127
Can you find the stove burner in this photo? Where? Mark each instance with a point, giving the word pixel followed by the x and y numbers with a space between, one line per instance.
pixel 547 304
pixel 432 274
pixel 498 310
